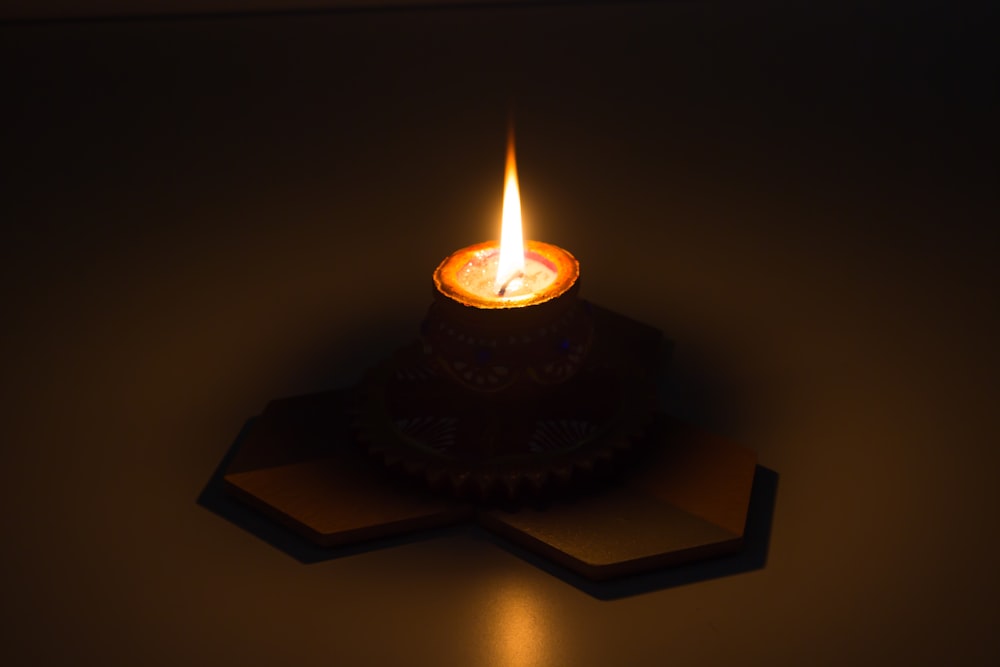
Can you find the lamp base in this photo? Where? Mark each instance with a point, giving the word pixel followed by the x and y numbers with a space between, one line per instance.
pixel 684 497
pixel 414 419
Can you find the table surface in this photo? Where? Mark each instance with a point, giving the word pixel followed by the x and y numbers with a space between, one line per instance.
pixel 200 215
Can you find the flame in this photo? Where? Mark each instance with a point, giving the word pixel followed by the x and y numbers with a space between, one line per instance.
pixel 511 261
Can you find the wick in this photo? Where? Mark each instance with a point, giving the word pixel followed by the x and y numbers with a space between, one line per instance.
pixel 503 288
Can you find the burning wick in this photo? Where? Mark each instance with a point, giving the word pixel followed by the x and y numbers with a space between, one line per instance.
pixel 503 288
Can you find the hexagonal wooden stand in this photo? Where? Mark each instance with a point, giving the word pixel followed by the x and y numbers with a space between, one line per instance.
pixel 684 499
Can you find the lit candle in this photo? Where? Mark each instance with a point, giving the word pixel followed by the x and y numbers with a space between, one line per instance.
pixel 506 317
pixel 510 273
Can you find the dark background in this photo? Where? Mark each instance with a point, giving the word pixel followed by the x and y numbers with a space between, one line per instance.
pixel 204 213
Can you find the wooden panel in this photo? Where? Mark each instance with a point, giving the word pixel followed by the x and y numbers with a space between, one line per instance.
pixel 331 503
pixel 687 500
pixel 299 464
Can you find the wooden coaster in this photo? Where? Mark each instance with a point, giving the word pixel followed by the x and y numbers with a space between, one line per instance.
pixel 685 500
